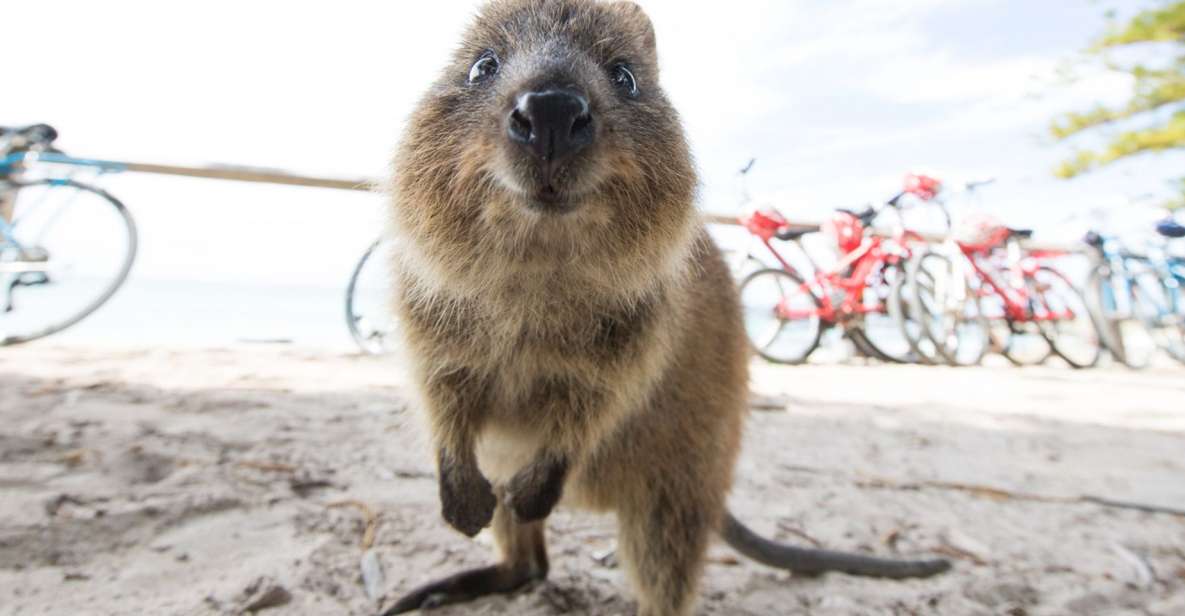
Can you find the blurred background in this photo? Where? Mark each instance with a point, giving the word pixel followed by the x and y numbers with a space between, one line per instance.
pixel 836 100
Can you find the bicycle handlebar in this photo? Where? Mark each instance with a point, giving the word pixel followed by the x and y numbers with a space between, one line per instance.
pixel 977 184
pixel 35 134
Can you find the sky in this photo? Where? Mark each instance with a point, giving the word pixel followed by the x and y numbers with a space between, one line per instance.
pixel 836 99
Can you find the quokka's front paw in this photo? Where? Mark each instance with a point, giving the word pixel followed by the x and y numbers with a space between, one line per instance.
pixel 536 489
pixel 467 501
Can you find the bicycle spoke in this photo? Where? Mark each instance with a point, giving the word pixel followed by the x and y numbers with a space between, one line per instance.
pixel 71 246
pixel 781 316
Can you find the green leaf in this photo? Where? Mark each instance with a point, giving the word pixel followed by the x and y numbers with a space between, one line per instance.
pixel 1154 115
pixel 1166 24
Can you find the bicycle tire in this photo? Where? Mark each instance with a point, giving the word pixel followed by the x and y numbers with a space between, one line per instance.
pixel 863 347
pixel 1057 339
pixel 364 341
pixel 1173 282
pixel 116 282
pixel 1003 332
pixel 792 281
pixel 1164 322
pixel 880 345
pixel 1176 293
pixel 949 343
pixel 902 310
pixel 1008 351
pixel 1111 327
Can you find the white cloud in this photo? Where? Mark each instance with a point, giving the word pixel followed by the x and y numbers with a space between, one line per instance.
pixel 942 78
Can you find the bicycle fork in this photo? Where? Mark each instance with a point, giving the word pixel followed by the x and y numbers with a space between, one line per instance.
pixel 29 268
pixel 1116 289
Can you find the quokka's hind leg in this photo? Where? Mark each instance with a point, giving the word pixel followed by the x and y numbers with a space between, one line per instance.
pixel 523 560
pixel 663 543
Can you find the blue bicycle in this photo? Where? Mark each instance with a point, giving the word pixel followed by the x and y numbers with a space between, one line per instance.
pixel 65 246
pixel 1140 298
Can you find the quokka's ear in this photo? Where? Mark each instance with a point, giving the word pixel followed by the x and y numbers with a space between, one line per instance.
pixel 639 20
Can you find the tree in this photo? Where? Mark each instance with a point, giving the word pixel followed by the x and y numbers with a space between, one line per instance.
pixel 1153 119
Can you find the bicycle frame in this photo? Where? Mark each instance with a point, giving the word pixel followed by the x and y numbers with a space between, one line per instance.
pixel 863 262
pixel 1120 279
pixel 12 162
pixel 781 260
pixel 1176 270
pixel 1018 302
pixel 17 160
pixel 1122 270
pixel 1171 273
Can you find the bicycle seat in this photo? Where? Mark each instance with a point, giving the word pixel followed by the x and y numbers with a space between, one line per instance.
pixel 1171 229
pixel 35 133
pixel 793 233
pixel 865 216
pixel 1020 234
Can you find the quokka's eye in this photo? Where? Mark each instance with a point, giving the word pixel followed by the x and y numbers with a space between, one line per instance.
pixel 623 78
pixel 484 68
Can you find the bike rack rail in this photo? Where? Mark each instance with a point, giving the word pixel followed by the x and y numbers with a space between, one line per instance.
pixel 236 173
pixel 263 175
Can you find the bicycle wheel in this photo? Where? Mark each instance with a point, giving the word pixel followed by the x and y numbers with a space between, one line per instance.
pixel 742 263
pixel 878 326
pixel 368 308
pixel 1061 313
pixel 1018 341
pixel 909 323
pixel 1159 311
pixel 782 316
pixel 1173 282
pixel 948 309
pixel 1174 286
pixel 66 250
pixel 1124 331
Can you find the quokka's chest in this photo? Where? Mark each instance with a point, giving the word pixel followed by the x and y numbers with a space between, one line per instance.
pixel 533 345
pixel 582 331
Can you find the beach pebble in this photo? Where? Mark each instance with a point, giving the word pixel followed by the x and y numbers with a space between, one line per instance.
pixel 262 594
pixel 372 575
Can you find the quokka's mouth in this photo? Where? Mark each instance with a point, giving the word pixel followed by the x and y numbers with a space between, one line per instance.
pixel 551 200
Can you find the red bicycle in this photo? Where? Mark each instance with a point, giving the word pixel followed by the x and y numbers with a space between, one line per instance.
pixel 786 314
pixel 1024 305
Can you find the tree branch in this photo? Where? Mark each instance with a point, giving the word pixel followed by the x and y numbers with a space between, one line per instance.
pixel 1166 24
pixel 1170 136
pixel 1154 90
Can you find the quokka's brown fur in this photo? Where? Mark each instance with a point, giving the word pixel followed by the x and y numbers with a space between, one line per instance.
pixel 597 352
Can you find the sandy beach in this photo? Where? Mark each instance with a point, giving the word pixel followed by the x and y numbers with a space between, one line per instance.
pixel 268 478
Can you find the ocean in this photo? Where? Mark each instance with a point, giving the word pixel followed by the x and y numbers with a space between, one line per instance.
pixel 148 312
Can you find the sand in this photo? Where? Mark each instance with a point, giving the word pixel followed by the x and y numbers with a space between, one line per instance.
pixel 214 481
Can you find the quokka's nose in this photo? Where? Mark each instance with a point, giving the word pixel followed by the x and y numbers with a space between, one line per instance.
pixel 552 125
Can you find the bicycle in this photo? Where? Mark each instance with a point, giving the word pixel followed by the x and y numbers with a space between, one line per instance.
pixel 66 246
pixel 960 345
pixel 1028 297
pixel 1139 298
pixel 1172 279
pixel 785 314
